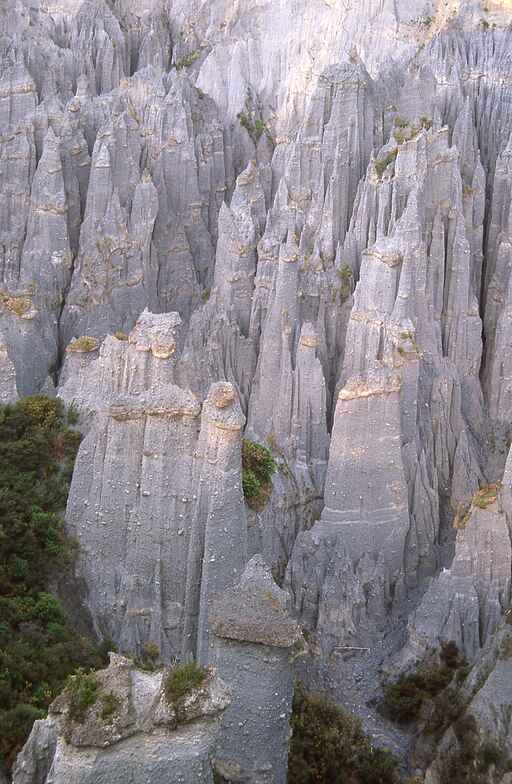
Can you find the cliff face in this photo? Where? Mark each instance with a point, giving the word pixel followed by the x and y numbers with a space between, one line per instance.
pixel 290 222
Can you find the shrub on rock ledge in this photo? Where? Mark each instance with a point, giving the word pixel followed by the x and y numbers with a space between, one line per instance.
pixel 183 679
pixel 258 468
pixel 404 699
pixel 83 692
pixel 328 746
pixel 83 345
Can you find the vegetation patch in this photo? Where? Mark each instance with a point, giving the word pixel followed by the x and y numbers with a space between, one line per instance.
pixel 346 277
pixel 471 760
pixel 328 745
pixel 405 130
pixel 482 499
pixel 254 126
pixel 19 305
pixel 84 344
pixel 83 692
pixel 486 496
pixel 38 647
pixel 150 659
pixel 382 164
pixel 119 335
pixel 110 706
pixel 187 60
pixel 258 468
pixel 426 21
pixel 181 681
pixel 404 700
pixel 462 517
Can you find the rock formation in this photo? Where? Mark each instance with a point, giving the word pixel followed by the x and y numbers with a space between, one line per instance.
pixel 254 641
pixel 136 733
pixel 290 223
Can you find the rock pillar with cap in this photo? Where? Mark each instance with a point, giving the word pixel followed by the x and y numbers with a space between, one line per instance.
pixel 218 544
pixel 253 639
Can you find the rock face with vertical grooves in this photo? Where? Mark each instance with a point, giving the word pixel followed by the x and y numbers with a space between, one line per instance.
pixel 287 222
pixel 254 639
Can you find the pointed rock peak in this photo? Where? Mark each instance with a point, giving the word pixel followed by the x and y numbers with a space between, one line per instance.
pixel 50 162
pixel 410 220
pixel 255 610
pixel 146 176
pixel 21 77
pixel 83 89
pixel 101 156
pixel 248 186
pixel 106 131
pixel 289 251
pixel 225 215
pixel 223 408
pixel 51 140
pixel 282 195
pixel 248 175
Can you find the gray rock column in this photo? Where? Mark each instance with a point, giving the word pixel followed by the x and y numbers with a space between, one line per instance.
pixel 253 640
pixel 218 538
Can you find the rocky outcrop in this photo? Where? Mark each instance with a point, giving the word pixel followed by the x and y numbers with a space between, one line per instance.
pixel 480 736
pixel 129 730
pixel 253 642
pixel 360 538
pixel 183 532
pixel 144 361
pixel 289 222
pixel 466 602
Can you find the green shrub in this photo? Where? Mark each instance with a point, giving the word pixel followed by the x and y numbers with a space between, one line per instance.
pixel 73 414
pixel 258 469
pixel 486 496
pixel 250 484
pixel 150 658
pixel 469 761
pixel 254 127
pixel 328 746
pixel 38 647
pixel 15 726
pixel 83 691
pixel 183 679
pixel 404 699
pixel 111 705
pixel 187 60
pixel 382 164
